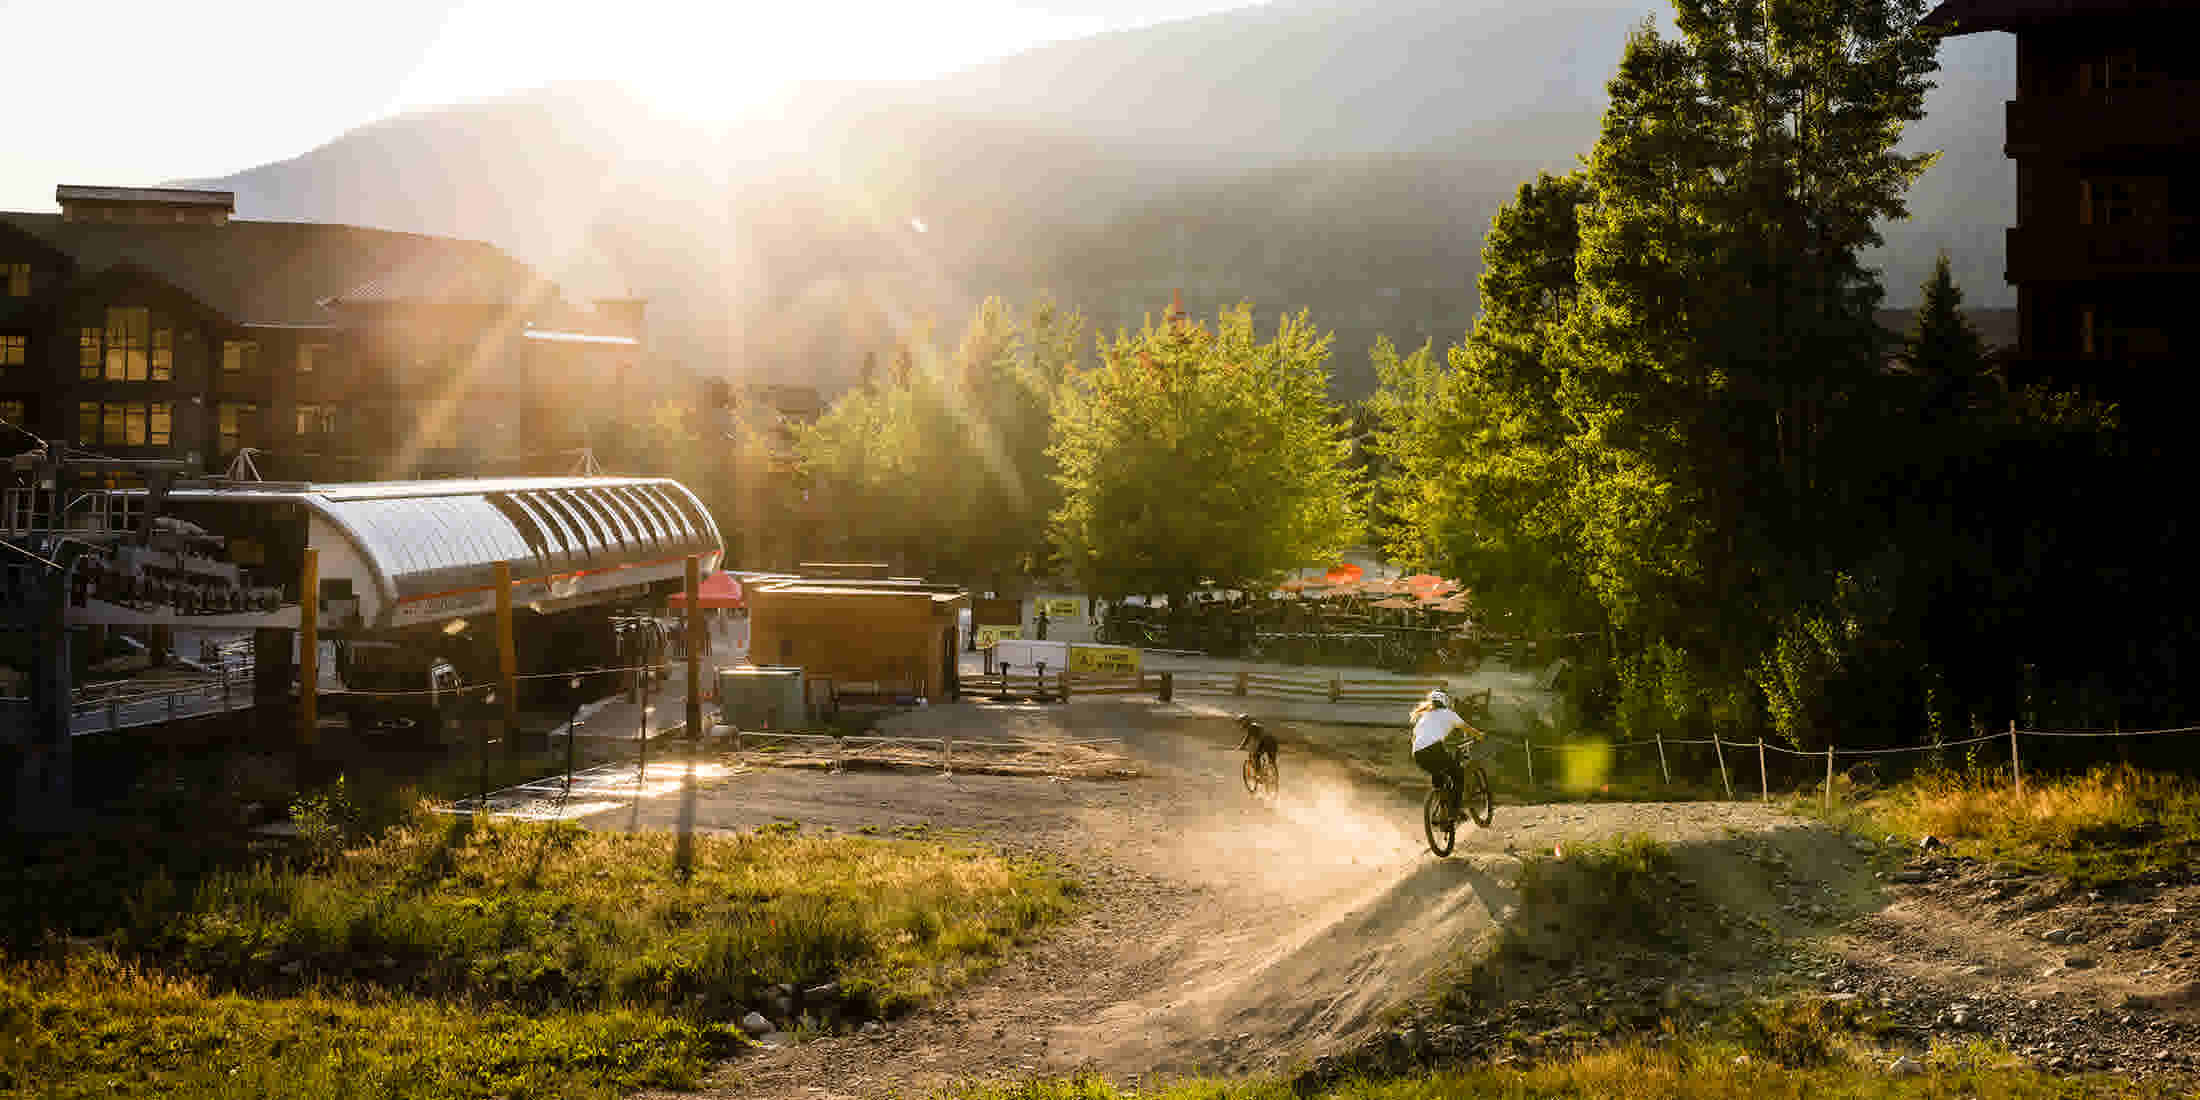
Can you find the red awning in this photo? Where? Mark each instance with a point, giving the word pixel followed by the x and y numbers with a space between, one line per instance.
pixel 719 589
pixel 1345 573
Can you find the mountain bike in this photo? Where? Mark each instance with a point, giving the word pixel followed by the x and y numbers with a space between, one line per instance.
pixel 1260 775
pixel 1440 813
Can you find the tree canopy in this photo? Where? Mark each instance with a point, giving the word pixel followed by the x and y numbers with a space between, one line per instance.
pixel 1193 455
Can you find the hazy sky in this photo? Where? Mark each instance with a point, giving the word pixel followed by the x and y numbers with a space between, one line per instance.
pixel 133 92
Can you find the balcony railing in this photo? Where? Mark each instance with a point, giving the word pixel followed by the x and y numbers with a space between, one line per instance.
pixel 2052 253
pixel 2164 116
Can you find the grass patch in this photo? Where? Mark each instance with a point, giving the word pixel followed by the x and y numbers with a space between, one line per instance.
pixel 92 1026
pixel 1700 1070
pixel 2109 825
pixel 549 913
pixel 452 958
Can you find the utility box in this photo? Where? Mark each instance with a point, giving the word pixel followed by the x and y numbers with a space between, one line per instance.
pixel 762 698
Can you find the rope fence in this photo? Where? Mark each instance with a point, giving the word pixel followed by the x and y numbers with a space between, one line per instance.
pixel 1831 754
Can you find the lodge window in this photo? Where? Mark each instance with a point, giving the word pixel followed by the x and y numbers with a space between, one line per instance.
pixel 239 424
pixel 14 350
pixel 14 412
pixel 136 345
pixel 123 423
pixel 17 279
pixel 240 356
pixel 2110 200
pixel 315 419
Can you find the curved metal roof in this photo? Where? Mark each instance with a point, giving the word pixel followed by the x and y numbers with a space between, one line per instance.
pixel 431 538
pixel 427 539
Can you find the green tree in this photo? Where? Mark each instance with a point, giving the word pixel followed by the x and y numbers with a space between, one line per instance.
pixel 1477 454
pixel 1666 420
pixel 940 464
pixel 1193 455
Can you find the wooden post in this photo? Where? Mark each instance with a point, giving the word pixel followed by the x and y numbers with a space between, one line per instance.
pixel 2016 768
pixel 1662 765
pixel 1241 682
pixel 1065 685
pixel 1527 749
pixel 1723 780
pixel 1829 779
pixel 947 755
pixel 1336 688
pixel 1168 686
pixel 695 640
pixel 1764 782
pixel 309 648
pixel 507 657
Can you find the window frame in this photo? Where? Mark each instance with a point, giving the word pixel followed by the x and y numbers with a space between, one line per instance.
pixel 246 359
pixel 15 279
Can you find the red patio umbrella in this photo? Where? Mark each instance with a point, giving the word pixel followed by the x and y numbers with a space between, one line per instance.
pixel 1344 573
pixel 720 589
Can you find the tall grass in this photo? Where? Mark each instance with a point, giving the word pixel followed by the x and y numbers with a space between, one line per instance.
pixel 455 959
pixel 94 1026
pixel 544 913
pixel 2108 824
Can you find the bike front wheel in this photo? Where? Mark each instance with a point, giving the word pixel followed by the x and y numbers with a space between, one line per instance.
pixel 1252 777
pixel 1437 819
pixel 1476 798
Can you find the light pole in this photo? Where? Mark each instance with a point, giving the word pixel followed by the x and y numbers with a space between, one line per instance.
pixel 572 686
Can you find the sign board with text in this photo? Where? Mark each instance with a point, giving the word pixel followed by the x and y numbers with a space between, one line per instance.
pixel 1104 660
pixel 1062 608
pixel 990 636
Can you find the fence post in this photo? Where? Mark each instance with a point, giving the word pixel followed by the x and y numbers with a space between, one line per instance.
pixel 1662 765
pixel 114 712
pixel 171 706
pixel 947 755
pixel 1241 682
pixel 1336 688
pixel 1764 781
pixel 1168 686
pixel 2016 768
pixel 1721 753
pixel 1527 749
pixel 1065 685
pixel 1829 779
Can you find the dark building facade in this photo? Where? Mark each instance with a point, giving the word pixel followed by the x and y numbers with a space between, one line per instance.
pixel 151 323
pixel 2105 255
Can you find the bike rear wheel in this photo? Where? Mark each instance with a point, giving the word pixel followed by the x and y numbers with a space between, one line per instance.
pixel 1479 804
pixel 1268 777
pixel 1252 777
pixel 1437 819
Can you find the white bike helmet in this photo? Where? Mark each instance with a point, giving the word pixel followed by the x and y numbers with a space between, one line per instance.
pixel 1439 699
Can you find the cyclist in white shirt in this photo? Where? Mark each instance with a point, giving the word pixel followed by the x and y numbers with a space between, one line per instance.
pixel 1433 722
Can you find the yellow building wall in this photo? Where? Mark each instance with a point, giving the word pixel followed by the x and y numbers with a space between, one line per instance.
pixel 894 639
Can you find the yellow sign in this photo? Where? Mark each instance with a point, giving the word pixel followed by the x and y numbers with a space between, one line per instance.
pixel 988 636
pixel 1103 660
pixel 1061 609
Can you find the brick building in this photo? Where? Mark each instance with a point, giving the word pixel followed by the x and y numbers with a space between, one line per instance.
pixel 2105 254
pixel 152 323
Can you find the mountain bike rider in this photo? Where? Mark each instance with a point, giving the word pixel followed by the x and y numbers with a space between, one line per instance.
pixel 1434 722
pixel 1259 740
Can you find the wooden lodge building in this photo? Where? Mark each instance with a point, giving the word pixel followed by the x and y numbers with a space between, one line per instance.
pixel 2105 255
pixel 152 323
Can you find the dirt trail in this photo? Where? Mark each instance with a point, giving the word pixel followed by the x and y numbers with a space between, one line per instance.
pixel 1225 935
